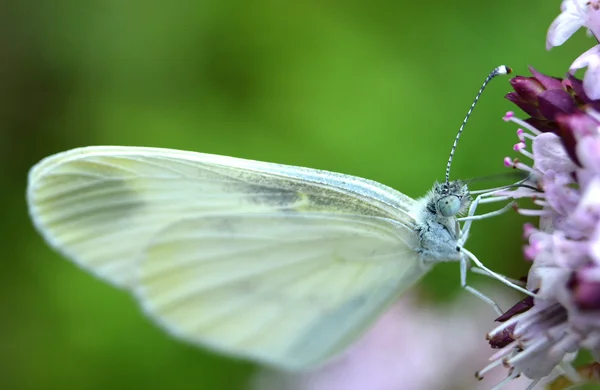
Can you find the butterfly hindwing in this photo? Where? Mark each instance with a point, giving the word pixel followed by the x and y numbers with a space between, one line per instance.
pixel 288 290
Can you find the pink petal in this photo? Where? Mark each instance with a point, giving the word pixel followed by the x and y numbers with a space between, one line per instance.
pixel 550 154
pixel 593 21
pixel 567 23
pixel 591 80
pixel 588 150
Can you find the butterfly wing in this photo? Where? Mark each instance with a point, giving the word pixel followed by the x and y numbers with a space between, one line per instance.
pixel 286 265
pixel 286 289
pixel 99 206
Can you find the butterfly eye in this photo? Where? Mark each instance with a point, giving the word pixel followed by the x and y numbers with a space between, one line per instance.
pixel 449 205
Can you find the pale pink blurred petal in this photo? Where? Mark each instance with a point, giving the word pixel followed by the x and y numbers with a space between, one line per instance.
pixel 413 346
pixel 591 80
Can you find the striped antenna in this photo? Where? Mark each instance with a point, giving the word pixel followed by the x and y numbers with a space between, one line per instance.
pixel 501 70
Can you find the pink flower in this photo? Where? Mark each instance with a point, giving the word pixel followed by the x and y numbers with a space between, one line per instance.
pixel 540 337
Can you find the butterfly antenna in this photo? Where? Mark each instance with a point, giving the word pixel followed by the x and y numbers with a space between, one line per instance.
pixel 501 70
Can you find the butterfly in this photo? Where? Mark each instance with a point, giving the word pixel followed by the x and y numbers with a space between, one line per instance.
pixel 282 265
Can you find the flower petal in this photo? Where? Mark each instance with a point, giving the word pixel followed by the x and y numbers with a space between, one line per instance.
pixel 592 21
pixel 553 102
pixel 591 80
pixel 548 82
pixel 588 150
pixel 567 23
pixel 550 154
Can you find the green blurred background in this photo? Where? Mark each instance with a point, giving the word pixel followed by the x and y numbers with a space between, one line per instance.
pixel 375 89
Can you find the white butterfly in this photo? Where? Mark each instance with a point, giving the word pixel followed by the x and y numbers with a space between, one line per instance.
pixel 279 264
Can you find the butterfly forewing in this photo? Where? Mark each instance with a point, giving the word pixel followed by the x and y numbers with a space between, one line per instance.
pixel 100 206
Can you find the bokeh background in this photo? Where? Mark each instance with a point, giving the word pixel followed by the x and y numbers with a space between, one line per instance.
pixel 375 89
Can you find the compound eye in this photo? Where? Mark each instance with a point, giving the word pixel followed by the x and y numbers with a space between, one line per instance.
pixel 449 205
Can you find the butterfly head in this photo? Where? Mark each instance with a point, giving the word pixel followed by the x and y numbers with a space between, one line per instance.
pixel 451 198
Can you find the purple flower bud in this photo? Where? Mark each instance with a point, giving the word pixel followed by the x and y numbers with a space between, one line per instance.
pixel 530 108
pixel 527 88
pixel 548 82
pixel 559 106
pixel 555 102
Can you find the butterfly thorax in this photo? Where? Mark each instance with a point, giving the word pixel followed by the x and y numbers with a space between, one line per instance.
pixel 437 227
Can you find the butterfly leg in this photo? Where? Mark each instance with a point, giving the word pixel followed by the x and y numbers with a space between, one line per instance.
pixel 490 195
pixel 493 274
pixel 479 271
pixel 491 213
pixel 464 267
pixel 481 199
pixel 467 225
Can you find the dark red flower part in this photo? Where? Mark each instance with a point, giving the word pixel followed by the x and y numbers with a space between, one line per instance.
pixel 519 307
pixel 503 338
pixel 543 125
pixel 586 293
